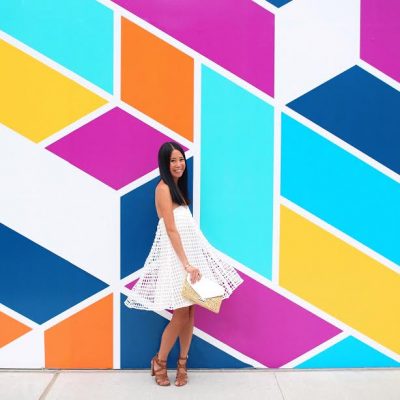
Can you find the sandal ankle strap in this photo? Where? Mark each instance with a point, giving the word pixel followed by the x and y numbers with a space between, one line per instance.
pixel 160 361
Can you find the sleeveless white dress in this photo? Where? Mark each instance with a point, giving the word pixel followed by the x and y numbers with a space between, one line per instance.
pixel 162 276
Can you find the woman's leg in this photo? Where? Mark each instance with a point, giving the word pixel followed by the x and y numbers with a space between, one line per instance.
pixel 179 320
pixel 185 335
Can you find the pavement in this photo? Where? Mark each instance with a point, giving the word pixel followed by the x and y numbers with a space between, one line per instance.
pixel 257 384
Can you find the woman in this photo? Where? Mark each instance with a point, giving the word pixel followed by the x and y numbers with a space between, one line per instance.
pixel 179 248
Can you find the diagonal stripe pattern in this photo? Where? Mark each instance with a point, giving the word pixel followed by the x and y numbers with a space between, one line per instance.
pixel 288 114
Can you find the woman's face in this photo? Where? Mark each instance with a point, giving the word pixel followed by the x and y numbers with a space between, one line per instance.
pixel 177 164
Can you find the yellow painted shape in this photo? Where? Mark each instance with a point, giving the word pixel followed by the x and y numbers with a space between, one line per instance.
pixel 340 280
pixel 37 101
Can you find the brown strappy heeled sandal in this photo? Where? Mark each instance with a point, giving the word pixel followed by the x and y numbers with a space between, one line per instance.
pixel 181 372
pixel 160 374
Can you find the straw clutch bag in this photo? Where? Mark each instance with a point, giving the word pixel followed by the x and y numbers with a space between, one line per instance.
pixel 205 293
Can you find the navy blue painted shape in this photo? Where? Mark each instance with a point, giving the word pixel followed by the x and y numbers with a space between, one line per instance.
pixel 360 109
pixel 279 3
pixel 139 222
pixel 36 282
pixel 140 340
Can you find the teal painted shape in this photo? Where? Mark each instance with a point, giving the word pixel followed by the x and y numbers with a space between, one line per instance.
pixel 237 172
pixel 76 34
pixel 349 353
pixel 340 189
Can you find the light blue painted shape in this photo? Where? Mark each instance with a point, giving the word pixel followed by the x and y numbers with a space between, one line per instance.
pixel 340 189
pixel 236 172
pixel 77 34
pixel 349 353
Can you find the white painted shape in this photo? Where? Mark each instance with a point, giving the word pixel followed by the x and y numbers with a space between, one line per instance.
pixel 315 41
pixel 27 351
pixel 58 206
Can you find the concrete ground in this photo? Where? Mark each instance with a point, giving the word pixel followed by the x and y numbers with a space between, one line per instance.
pixel 270 384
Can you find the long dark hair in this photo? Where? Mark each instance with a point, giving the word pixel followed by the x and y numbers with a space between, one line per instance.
pixel 164 160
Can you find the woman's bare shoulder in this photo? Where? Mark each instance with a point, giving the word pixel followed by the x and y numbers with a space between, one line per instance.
pixel 162 193
pixel 163 199
pixel 162 189
pixel 161 185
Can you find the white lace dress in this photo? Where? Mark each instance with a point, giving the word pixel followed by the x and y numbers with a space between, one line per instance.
pixel 160 283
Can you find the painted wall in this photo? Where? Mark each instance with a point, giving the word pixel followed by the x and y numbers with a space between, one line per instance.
pixel 289 115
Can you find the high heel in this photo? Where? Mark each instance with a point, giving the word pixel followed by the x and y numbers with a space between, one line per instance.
pixel 160 374
pixel 181 372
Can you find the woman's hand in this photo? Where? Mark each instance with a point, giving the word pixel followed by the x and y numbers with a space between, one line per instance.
pixel 194 272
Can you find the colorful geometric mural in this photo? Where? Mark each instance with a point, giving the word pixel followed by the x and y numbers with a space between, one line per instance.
pixel 288 114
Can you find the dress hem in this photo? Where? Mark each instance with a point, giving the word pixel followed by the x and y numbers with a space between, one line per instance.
pixel 176 307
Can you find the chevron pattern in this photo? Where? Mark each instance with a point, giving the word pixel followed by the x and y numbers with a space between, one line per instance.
pixel 288 114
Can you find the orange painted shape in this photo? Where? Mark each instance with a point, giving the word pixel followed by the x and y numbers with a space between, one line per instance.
pixel 157 79
pixel 84 340
pixel 11 329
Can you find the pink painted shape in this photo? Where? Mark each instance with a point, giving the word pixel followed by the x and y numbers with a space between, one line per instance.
pixel 264 325
pixel 237 35
pixel 130 285
pixel 115 148
pixel 380 35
